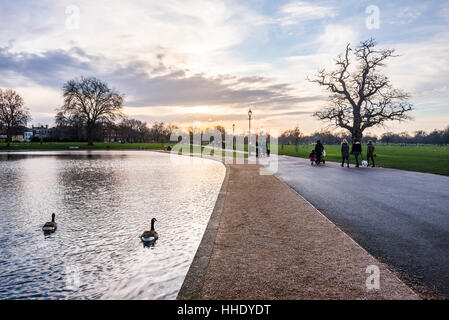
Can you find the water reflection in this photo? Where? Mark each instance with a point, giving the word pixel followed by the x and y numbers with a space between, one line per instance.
pixel 48 232
pixel 103 201
pixel 149 244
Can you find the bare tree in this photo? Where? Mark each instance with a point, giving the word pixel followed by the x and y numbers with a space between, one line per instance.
pixel 161 132
pixel 158 132
pixel 69 126
pixel 132 130
pixel 361 97
pixel 297 135
pixel 92 101
pixel 13 113
pixel 292 135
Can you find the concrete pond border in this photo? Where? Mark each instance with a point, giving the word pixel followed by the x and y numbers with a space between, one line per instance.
pixel 194 280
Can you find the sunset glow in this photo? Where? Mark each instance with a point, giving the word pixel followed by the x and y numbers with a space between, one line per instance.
pixel 210 61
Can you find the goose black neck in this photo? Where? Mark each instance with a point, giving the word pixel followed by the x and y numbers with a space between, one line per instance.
pixel 152 225
pixel 52 218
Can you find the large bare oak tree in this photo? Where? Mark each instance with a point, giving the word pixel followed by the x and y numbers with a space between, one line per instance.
pixel 92 101
pixel 361 96
pixel 13 113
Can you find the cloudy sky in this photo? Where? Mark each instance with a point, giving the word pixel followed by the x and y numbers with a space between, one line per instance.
pixel 209 61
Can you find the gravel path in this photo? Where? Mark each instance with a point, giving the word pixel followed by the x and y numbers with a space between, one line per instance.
pixel 273 244
pixel 400 217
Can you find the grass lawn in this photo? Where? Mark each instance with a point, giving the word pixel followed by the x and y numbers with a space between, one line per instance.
pixel 428 158
pixel 60 146
pixel 64 146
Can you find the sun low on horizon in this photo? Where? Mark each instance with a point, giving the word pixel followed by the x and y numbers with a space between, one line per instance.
pixel 216 158
pixel 182 62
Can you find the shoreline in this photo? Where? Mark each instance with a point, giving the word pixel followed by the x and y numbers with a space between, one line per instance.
pixel 432 166
pixel 193 282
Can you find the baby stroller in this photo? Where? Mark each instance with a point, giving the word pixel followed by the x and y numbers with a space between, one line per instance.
pixel 321 159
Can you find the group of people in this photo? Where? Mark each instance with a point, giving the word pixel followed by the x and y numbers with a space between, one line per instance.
pixel 317 155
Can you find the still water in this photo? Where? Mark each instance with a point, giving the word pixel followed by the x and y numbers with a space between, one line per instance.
pixel 103 201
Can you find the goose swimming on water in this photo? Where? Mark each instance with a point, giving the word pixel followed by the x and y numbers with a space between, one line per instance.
pixel 151 235
pixel 50 226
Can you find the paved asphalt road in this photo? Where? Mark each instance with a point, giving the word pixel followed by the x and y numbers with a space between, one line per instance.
pixel 400 217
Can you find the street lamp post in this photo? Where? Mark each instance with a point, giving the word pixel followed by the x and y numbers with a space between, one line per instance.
pixel 250 114
pixel 233 137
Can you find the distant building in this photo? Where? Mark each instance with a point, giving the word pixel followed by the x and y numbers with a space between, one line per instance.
pixel 19 134
pixel 17 138
pixel 41 132
pixel 28 135
pixel 23 134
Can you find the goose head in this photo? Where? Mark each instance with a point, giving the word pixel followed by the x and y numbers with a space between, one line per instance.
pixel 152 223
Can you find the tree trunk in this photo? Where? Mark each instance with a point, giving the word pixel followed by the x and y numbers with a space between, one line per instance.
pixel 357 134
pixel 90 138
pixel 296 146
pixel 8 137
pixel 356 128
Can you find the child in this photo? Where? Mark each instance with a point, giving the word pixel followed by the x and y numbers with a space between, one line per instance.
pixel 312 157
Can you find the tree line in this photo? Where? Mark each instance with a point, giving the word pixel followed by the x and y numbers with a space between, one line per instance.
pixel 126 130
pixel 92 111
pixel 296 137
pixel 440 137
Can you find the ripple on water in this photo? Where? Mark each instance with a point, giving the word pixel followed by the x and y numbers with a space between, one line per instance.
pixel 103 201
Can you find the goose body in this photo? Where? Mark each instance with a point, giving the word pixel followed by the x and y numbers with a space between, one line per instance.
pixel 151 235
pixel 50 226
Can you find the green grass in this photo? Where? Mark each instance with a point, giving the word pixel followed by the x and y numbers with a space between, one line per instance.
pixel 212 152
pixel 56 146
pixel 428 158
pixel 64 146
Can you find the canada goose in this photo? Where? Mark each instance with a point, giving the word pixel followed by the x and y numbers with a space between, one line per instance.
pixel 50 226
pixel 150 235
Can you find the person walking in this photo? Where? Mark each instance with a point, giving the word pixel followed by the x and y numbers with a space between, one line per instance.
pixel 344 152
pixel 312 157
pixel 356 151
pixel 370 152
pixel 319 151
pixel 257 149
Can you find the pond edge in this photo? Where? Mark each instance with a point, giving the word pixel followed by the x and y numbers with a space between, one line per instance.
pixel 194 280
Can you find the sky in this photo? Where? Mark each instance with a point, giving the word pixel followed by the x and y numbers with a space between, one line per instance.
pixel 210 61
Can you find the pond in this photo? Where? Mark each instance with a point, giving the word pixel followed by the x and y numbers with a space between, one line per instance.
pixel 103 201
